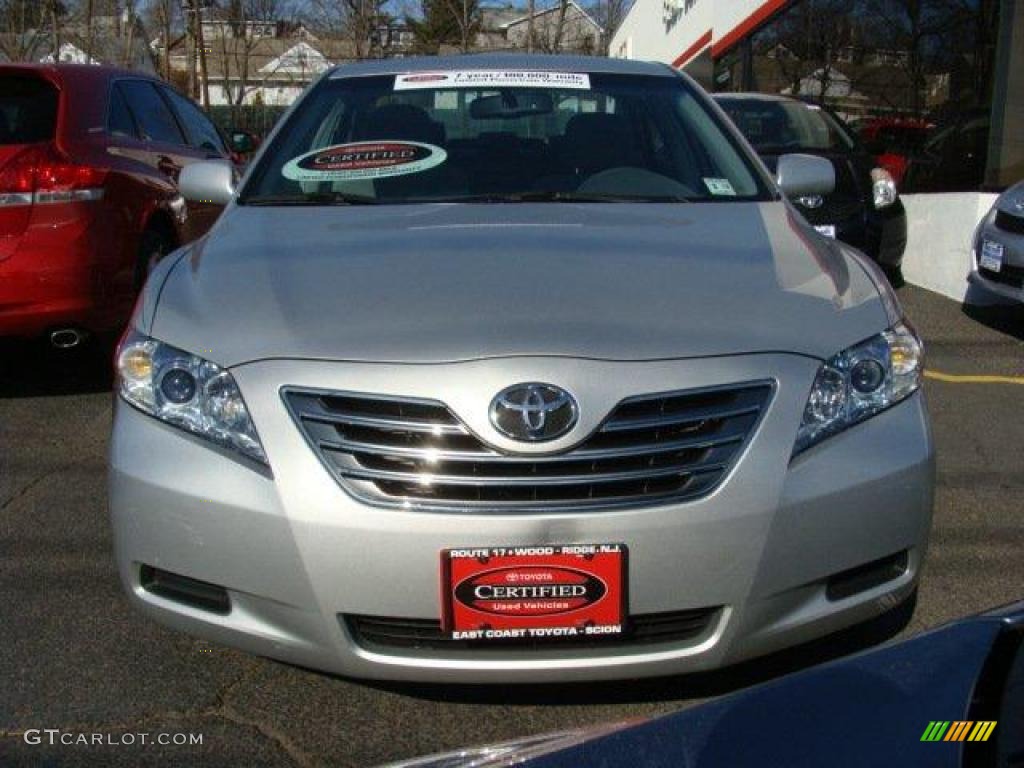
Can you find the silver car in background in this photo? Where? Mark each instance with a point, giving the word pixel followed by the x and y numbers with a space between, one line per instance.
pixel 998 253
pixel 510 368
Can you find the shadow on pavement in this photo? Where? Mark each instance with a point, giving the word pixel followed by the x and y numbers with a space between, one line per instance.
pixel 694 686
pixel 34 369
pixel 1005 318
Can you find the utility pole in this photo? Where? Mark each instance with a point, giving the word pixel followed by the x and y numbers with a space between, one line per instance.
pixel 529 27
pixel 166 8
pixel 88 28
pixel 202 58
pixel 190 47
pixel 55 32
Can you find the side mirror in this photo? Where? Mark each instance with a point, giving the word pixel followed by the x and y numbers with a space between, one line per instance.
pixel 805 175
pixel 207 181
pixel 242 142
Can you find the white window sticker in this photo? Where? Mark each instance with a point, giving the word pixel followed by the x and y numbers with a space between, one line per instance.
pixel 364 160
pixel 491 78
pixel 991 256
pixel 720 187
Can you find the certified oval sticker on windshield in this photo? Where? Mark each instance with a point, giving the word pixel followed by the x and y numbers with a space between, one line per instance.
pixel 534 592
pixel 364 160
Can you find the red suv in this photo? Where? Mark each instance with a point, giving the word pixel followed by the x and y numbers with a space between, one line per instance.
pixel 89 160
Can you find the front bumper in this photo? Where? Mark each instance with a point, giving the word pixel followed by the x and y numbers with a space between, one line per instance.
pixel 296 552
pixel 1009 282
pixel 886 234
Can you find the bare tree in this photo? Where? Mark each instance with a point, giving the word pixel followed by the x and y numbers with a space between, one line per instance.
pixel 237 42
pixel 354 20
pixel 937 35
pixel 128 35
pixel 163 16
pixel 467 17
pixel 54 18
pixel 561 29
pixel 815 33
pixel 609 14
pixel 23 29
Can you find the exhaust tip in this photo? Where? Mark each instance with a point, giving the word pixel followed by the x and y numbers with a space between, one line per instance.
pixel 66 338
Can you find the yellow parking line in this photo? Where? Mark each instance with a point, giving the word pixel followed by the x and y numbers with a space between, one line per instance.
pixel 955 379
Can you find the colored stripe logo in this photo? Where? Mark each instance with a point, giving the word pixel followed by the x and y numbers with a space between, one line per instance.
pixel 958 730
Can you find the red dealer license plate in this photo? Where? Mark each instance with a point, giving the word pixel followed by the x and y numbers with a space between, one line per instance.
pixel 531 593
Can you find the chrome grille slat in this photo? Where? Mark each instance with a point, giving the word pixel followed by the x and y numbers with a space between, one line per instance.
pixel 377 449
pixel 412 452
pixel 313 408
pixel 623 425
pixel 441 479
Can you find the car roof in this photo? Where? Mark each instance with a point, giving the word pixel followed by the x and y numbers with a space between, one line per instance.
pixel 74 72
pixel 83 88
pixel 529 62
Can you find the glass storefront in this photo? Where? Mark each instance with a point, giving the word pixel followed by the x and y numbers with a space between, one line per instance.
pixel 932 82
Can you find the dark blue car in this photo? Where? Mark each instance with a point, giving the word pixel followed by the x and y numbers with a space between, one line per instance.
pixel 952 697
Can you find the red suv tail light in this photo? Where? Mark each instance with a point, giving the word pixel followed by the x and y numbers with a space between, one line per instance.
pixel 40 174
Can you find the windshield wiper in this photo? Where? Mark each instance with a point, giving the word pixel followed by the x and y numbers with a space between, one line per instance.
pixel 561 197
pixel 312 198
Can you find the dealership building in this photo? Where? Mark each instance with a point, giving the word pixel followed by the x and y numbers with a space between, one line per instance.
pixel 929 60
pixel 955 70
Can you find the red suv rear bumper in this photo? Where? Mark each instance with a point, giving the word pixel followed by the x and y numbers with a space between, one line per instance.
pixel 63 271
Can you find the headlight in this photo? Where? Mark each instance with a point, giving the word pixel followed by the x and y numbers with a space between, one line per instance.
pixel 186 391
pixel 883 188
pixel 860 382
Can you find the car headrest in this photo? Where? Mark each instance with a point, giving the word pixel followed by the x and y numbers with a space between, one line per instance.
pixel 401 121
pixel 596 141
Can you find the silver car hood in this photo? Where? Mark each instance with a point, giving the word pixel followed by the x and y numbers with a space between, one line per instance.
pixel 443 282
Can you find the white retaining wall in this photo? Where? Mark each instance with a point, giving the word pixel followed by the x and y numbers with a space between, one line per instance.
pixel 939 232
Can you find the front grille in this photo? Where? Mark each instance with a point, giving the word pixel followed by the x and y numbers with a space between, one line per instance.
pixel 400 451
pixel 1008 275
pixel 374 632
pixel 1008 223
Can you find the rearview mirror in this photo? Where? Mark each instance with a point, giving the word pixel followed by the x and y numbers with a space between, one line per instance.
pixel 805 175
pixel 510 104
pixel 207 181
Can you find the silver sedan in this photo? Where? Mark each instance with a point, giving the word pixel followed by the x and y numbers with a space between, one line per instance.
pixel 510 368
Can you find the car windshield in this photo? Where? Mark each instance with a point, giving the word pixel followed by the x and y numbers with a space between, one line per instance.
pixel 494 137
pixel 28 109
pixel 775 126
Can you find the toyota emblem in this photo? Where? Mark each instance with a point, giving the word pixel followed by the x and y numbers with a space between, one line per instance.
pixel 533 412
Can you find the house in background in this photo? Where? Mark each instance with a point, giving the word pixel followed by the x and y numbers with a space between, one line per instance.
pixel 270 71
pixel 506 28
pixel 118 40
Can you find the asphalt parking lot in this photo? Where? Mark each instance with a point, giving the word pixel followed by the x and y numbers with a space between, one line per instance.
pixel 75 658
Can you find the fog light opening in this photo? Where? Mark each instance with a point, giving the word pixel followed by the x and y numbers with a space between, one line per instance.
pixel 181 589
pixel 865 577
